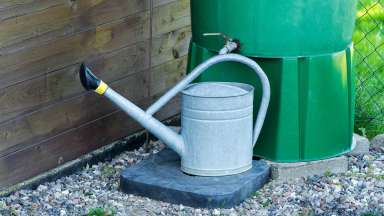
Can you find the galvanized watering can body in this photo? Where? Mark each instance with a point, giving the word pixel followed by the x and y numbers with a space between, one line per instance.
pixel 217 127
pixel 217 134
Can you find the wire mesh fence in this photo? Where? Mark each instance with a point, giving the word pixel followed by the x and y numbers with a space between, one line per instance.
pixel 369 63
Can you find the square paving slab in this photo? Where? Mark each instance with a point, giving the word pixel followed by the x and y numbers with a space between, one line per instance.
pixel 160 178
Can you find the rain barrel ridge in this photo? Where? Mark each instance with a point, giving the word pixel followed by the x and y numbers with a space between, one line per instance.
pixel 351 89
pixel 303 65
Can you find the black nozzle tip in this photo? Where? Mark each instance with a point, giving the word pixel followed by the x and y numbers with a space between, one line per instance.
pixel 87 78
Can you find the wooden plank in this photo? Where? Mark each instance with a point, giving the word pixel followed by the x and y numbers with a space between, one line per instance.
pixel 50 119
pixel 67 146
pixel 170 46
pixel 34 127
pixel 167 75
pixel 12 130
pixel 21 65
pixel 171 16
pixel 64 19
pixel 13 8
pixel 5 4
pixel 162 2
pixel 37 93
pixel 55 55
pixel 57 118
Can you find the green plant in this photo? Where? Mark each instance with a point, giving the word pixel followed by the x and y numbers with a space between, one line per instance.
pixel 107 171
pixel 13 211
pixel 306 212
pixel 379 177
pixel 369 214
pixel 255 194
pixel 265 204
pixel 328 173
pixel 363 132
pixel 101 212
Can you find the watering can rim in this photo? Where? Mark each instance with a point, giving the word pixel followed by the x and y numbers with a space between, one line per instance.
pixel 246 88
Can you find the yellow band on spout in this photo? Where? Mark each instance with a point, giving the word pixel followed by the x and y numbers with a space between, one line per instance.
pixel 102 88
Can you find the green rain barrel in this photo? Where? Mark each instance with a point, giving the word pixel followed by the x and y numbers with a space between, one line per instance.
pixel 305 47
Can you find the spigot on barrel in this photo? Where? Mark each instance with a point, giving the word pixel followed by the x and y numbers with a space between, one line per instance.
pixel 230 45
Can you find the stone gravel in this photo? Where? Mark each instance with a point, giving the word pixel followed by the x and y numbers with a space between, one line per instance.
pixel 360 191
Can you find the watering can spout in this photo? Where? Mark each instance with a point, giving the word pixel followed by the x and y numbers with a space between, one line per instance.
pixel 165 134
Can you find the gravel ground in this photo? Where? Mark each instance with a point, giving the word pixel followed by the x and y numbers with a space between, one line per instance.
pixel 95 189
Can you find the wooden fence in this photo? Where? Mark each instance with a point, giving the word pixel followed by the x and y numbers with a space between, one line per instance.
pixel 46 118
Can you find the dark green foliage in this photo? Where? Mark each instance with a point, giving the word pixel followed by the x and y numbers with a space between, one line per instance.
pixel 101 212
pixel 369 63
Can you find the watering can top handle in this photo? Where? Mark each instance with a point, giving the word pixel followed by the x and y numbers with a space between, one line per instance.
pixel 203 67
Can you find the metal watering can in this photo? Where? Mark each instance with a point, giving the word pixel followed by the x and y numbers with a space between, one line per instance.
pixel 217 132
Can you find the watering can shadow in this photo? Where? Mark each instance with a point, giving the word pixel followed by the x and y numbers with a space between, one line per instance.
pixel 217 132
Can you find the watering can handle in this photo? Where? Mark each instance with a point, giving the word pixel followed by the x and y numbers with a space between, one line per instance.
pixel 203 67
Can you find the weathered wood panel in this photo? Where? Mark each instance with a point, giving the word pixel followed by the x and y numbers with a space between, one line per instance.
pixel 46 118
pixel 13 8
pixel 167 75
pixel 28 63
pixel 20 7
pixel 78 140
pixel 64 19
pixel 62 84
pixel 66 115
pixel 44 20
pixel 69 145
pixel 169 46
pixel 58 85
